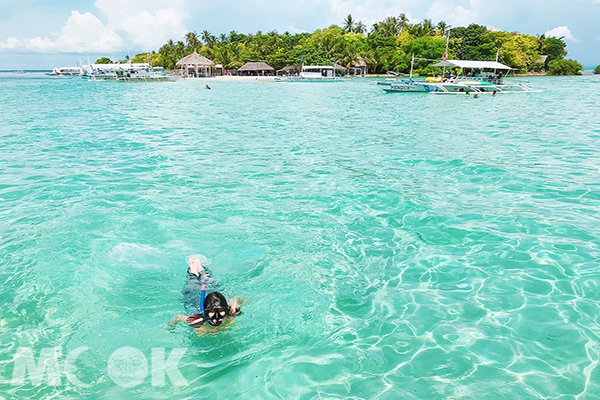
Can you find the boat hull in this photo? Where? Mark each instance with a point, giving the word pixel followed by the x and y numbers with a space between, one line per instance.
pixel 405 87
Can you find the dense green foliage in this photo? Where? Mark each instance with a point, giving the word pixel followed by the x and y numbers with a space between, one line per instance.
pixel 597 70
pixel 104 60
pixel 388 46
pixel 564 67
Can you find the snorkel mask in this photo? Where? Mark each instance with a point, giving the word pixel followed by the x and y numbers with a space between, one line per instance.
pixel 217 307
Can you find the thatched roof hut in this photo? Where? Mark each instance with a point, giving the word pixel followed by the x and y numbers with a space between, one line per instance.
pixel 195 65
pixel 289 70
pixel 359 66
pixel 256 68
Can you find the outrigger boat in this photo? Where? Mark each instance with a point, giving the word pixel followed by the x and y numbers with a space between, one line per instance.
pixel 405 85
pixel 137 72
pixel 477 77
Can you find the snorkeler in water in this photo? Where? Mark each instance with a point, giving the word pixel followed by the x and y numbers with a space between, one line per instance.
pixel 208 313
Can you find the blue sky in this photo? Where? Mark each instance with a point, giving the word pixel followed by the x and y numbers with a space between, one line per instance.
pixel 37 34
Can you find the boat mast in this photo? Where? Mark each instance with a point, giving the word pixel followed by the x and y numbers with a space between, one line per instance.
pixel 497 54
pixel 447 40
pixel 412 64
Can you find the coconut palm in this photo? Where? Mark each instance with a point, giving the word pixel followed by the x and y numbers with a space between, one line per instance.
pixel 443 28
pixel 208 39
pixel 391 26
pixel 349 24
pixel 191 41
pixel 360 28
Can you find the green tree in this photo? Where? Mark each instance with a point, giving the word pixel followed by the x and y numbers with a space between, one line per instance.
pixel 520 52
pixel 468 42
pixel 424 28
pixel 424 47
pixel 104 60
pixel 597 70
pixel 382 54
pixel 391 26
pixel 552 47
pixel 564 67
pixel 155 59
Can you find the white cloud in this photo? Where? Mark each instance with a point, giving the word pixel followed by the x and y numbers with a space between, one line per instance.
pixel 129 26
pixel 453 15
pixel 145 24
pixel 81 33
pixel 149 31
pixel 561 31
pixel 11 43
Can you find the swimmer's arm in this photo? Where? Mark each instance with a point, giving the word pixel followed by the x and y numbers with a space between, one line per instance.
pixel 177 319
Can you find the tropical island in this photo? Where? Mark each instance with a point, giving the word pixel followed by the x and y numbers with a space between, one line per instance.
pixel 388 46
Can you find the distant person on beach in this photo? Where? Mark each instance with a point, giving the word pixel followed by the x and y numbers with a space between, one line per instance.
pixel 494 93
pixel 207 87
pixel 206 314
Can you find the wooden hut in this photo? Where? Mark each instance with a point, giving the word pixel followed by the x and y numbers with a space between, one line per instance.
pixel 256 69
pixel 195 65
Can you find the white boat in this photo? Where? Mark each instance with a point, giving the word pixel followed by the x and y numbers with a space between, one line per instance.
pixel 102 75
pixel 140 72
pixel 315 73
pixel 148 75
pixel 66 71
pixel 475 76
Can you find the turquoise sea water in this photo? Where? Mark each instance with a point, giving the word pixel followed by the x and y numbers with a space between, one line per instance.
pixel 394 246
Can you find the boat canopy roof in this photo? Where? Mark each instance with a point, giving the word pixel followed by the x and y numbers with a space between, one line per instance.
pixel 472 64
pixel 338 66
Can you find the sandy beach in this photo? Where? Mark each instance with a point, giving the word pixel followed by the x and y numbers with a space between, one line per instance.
pixel 232 78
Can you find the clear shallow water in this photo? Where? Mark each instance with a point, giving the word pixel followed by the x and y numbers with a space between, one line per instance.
pixel 393 246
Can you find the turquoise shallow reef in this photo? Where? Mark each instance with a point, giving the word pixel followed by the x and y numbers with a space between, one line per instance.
pixel 394 246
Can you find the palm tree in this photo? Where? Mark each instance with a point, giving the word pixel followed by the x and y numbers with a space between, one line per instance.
pixel 208 39
pixel 360 27
pixel 191 41
pixel 391 26
pixel 403 20
pixel 443 28
pixel 349 24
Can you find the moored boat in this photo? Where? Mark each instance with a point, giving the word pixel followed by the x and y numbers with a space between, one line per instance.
pixel 144 76
pixel 475 76
pixel 405 85
pixel 315 73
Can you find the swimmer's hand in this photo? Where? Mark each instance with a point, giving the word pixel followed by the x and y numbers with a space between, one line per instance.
pixel 236 302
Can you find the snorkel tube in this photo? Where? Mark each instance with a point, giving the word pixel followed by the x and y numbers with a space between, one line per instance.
pixel 202 295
